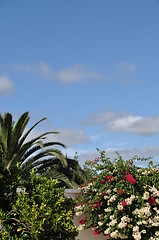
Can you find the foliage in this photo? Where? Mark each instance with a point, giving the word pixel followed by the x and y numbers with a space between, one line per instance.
pixel 122 200
pixel 16 148
pixel 41 212
pixel 18 155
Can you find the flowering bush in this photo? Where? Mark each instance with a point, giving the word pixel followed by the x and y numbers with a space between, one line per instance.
pixel 122 200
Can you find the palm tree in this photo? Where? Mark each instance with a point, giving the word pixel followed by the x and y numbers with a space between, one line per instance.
pixel 75 174
pixel 18 156
pixel 14 147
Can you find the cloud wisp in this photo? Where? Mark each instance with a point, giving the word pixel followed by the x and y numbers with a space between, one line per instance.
pixel 75 74
pixel 67 136
pixel 125 72
pixel 125 122
pixel 6 85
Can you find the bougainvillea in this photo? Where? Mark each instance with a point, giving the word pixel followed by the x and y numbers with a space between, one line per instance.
pixel 121 199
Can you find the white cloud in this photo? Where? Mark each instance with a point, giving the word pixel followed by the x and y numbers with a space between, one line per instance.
pixel 21 68
pixel 125 72
pixel 77 73
pixel 126 68
pixel 6 85
pixel 45 71
pixel 125 123
pixel 126 154
pixel 70 136
pixel 66 136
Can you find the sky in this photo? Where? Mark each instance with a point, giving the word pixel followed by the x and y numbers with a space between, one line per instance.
pixel 91 67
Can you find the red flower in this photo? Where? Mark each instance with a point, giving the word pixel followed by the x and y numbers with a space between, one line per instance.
pixel 120 192
pixel 102 181
pixel 82 221
pixel 151 200
pixel 96 232
pixel 110 178
pixel 107 236
pixel 123 210
pixel 124 203
pixel 130 179
pixel 102 194
pixel 102 202
pixel 96 205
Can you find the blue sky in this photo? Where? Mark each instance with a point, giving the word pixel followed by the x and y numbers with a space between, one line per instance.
pixel 91 67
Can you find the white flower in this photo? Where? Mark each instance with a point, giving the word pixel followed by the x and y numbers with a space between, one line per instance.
pixel 108 191
pixel 137 236
pixel 113 222
pixel 107 231
pixel 111 217
pixel 81 227
pixel 78 213
pixel 122 224
pixel 100 223
pixel 125 219
pixel 157 201
pixel 136 229
pixel 100 216
pixel 139 223
pixel 120 207
pixel 157 233
pixel 106 197
pixel 107 209
pixel 146 195
pixel 114 234
pixel 113 198
pixel 132 197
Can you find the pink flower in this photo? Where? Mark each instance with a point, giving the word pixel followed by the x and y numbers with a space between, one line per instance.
pixel 96 159
pixel 130 179
pixel 102 202
pixel 107 236
pixel 96 232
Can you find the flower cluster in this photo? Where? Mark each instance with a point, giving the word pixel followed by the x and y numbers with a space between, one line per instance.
pixel 119 204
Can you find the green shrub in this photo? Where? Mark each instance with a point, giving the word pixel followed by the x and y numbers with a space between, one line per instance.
pixel 42 212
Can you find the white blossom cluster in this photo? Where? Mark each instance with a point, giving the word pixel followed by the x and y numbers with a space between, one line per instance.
pixel 79 210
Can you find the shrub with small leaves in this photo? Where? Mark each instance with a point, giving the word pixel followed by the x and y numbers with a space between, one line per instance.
pixel 42 212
